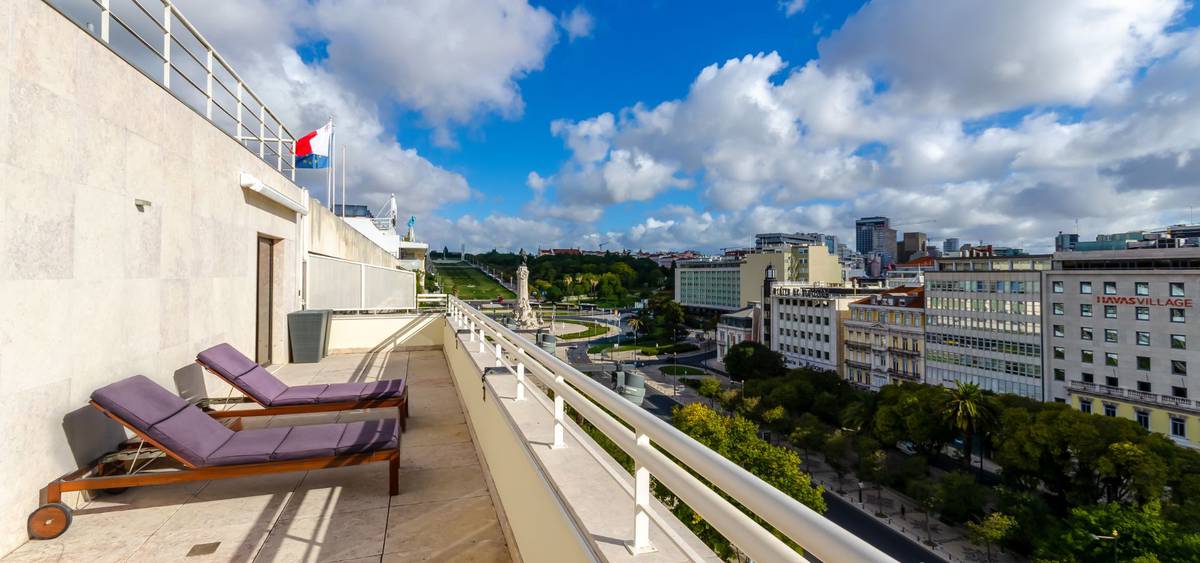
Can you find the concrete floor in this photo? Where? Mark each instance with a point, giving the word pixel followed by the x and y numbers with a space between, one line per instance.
pixel 443 512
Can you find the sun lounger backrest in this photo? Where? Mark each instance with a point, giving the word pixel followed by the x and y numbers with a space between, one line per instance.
pixel 178 426
pixel 243 372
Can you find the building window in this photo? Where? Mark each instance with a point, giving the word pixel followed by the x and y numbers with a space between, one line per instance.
pixel 1060 353
pixel 1085 405
pixel 1142 313
pixel 1057 308
pixel 1180 392
pixel 1110 311
pixel 1056 286
pixel 1060 331
pixel 1143 363
pixel 1110 409
pixel 1112 381
pixel 1085 356
pixel 1177 316
pixel 1141 288
pixel 1178 367
pixel 1110 359
pixel 1176 289
pixel 1110 335
pixel 1085 309
pixel 1085 332
pixel 1110 288
pixel 1178 341
pixel 1143 418
pixel 1087 377
pixel 1060 374
pixel 1085 287
pixel 1178 426
pixel 1143 386
pixel 1143 339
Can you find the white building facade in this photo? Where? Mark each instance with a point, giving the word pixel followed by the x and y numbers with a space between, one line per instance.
pixel 806 323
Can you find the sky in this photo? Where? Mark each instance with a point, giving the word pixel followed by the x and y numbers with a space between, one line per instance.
pixel 671 125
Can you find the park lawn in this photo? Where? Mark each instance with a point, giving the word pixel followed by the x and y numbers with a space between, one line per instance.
pixel 470 282
pixel 651 349
pixel 592 329
pixel 681 370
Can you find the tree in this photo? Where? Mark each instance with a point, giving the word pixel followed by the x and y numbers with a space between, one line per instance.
pixel 1128 470
pixel 751 360
pixel 960 498
pixel 671 316
pixel 926 495
pixel 872 466
pixel 773 416
pixel 970 412
pixel 838 452
pixel 809 434
pixel 636 324
pixel 1139 531
pixel 710 387
pixel 991 530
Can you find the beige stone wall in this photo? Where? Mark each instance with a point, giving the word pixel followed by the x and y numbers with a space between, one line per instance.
pixel 333 237
pixel 93 289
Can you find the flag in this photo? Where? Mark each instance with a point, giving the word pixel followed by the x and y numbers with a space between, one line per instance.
pixel 313 150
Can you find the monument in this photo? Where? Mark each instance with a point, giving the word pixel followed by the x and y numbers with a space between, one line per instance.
pixel 523 314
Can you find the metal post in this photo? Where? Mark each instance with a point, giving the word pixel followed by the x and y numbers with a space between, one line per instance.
pixel 208 105
pixel 262 129
pixel 559 383
pixel 641 504
pixel 166 45
pixel 279 153
pixel 105 19
pixel 240 127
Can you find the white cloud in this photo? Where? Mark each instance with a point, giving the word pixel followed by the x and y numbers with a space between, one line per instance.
pixel 578 23
pixel 792 7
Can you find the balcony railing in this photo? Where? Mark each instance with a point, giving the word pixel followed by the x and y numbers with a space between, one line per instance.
pixel 858 364
pixel 155 38
pixel 857 345
pixel 670 456
pixel 904 374
pixel 1151 399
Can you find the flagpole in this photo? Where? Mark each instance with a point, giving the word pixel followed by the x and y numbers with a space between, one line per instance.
pixel 346 158
pixel 329 171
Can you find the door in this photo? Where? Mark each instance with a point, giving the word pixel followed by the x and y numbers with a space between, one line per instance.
pixel 263 306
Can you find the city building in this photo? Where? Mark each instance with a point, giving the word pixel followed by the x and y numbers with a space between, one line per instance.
pixel 381 230
pixel 883 338
pixel 805 322
pixel 913 244
pixel 864 233
pixel 1121 336
pixel 951 245
pixel 728 283
pixel 1065 241
pixel 743 325
pixel 884 244
pixel 983 323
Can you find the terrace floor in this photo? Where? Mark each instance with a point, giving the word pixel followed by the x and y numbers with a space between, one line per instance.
pixel 443 512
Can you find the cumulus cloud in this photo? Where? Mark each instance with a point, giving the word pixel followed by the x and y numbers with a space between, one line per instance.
pixel 792 7
pixel 577 23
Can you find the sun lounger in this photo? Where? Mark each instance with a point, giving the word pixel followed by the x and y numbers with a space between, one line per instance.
pixel 275 397
pixel 181 443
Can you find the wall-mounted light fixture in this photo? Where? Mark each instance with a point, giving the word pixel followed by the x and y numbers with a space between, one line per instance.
pixel 141 204
pixel 255 185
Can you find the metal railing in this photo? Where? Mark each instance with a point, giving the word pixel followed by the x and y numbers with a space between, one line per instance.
pixel 595 402
pixel 155 38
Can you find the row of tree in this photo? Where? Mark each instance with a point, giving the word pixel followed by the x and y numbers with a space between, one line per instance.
pixel 611 277
pixel 1066 476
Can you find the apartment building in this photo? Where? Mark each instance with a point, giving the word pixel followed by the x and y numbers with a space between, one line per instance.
pixel 729 283
pixel 743 325
pixel 984 323
pixel 1121 336
pixel 806 322
pixel 884 337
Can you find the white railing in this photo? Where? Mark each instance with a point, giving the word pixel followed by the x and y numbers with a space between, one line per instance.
pixel 594 402
pixel 344 285
pixel 154 37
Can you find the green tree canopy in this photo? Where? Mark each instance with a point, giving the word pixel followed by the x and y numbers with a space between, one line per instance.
pixel 752 360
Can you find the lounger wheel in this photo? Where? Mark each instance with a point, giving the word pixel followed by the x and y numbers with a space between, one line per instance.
pixel 49 521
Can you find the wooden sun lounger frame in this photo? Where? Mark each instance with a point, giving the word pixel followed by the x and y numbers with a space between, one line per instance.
pixel 399 403
pixel 93 477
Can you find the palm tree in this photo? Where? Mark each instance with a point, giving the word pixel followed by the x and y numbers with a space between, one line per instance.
pixel 636 324
pixel 970 412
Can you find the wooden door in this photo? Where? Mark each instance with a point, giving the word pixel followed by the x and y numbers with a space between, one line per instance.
pixel 262 310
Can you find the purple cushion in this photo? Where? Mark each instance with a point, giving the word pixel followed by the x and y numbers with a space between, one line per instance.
pixel 310 441
pixel 368 436
pixel 261 385
pixel 384 389
pixel 191 434
pixel 342 392
pixel 137 400
pixel 249 446
pixel 227 361
pixel 298 395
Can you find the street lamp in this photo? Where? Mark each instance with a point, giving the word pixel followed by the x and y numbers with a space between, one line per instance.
pixel 1112 538
pixel 860 490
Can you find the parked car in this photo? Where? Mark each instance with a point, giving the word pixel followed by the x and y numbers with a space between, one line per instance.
pixel 908 448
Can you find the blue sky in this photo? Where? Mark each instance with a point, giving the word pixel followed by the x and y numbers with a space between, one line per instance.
pixel 672 125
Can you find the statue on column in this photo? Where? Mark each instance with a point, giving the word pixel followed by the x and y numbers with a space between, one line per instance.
pixel 523 313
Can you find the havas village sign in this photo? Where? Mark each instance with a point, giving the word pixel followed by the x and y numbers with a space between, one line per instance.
pixel 1147 301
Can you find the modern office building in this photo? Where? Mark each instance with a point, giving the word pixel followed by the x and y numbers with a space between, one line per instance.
pixel 984 322
pixel 951 245
pixel 864 232
pixel 884 244
pixel 1121 336
pixel 1064 242
pixel 805 322
pixel 884 337
pixel 728 283
pixel 914 243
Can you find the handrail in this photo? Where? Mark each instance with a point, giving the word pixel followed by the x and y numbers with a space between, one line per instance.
pixel 801 524
pixel 281 155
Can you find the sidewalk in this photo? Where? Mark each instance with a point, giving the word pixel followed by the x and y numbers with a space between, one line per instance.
pixel 950 543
